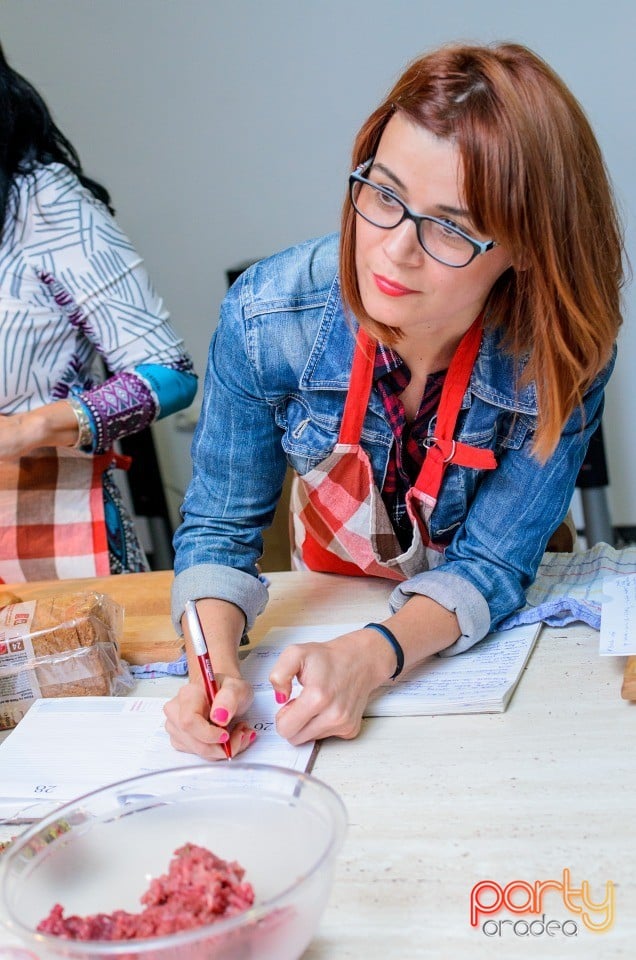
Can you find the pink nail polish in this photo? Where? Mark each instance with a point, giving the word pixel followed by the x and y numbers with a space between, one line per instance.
pixel 281 697
pixel 220 715
pixel 224 737
pixel 252 736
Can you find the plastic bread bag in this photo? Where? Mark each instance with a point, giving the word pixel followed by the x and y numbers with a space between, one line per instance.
pixel 62 645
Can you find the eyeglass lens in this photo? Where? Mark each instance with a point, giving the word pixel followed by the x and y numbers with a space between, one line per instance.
pixel 384 210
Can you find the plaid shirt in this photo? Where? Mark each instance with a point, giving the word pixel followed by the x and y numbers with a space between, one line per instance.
pixel 391 376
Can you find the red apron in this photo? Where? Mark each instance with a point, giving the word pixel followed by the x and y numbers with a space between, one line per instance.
pixel 52 523
pixel 340 523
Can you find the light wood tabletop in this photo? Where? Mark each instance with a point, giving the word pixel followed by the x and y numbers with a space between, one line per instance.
pixel 437 805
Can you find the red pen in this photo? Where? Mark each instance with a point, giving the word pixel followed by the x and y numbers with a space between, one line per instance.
pixel 200 648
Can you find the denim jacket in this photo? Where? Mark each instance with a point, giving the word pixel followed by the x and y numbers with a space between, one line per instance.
pixel 276 381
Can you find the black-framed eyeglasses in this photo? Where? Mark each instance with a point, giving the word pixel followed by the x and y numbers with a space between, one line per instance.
pixel 441 239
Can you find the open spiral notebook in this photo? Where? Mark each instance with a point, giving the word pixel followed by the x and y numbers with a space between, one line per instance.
pixel 481 680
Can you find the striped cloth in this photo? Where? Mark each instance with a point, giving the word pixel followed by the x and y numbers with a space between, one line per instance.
pixel 569 586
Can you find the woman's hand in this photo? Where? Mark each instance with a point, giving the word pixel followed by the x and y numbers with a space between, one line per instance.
pixel 338 676
pixel 337 679
pixel 195 728
pixel 11 436
pixel 54 425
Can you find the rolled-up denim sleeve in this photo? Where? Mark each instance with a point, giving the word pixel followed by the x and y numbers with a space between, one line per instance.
pixel 223 583
pixel 238 471
pixel 495 554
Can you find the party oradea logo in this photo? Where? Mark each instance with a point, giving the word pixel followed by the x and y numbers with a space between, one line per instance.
pixel 529 902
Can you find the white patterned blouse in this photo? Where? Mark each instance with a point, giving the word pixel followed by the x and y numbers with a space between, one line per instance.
pixel 73 289
pixel 75 296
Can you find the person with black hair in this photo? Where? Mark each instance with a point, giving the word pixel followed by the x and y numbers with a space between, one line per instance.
pixel 74 297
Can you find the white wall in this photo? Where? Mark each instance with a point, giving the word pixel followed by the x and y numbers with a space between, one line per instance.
pixel 223 129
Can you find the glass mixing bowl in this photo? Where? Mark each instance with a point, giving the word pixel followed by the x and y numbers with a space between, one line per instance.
pixel 98 854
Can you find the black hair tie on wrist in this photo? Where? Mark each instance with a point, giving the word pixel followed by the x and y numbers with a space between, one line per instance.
pixel 388 635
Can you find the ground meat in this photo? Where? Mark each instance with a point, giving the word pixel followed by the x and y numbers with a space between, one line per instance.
pixel 199 888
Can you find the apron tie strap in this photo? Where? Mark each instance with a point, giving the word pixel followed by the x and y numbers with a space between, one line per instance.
pixel 121 461
pixel 453 451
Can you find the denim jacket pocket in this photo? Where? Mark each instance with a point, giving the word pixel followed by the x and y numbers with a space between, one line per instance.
pixel 308 438
pixel 513 431
pixel 508 430
pixel 450 510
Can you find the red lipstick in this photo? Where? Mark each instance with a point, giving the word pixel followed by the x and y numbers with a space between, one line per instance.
pixel 390 287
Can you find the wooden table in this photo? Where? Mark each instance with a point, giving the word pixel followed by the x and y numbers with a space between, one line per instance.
pixel 438 804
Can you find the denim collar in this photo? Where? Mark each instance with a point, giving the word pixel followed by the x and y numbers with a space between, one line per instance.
pixel 492 379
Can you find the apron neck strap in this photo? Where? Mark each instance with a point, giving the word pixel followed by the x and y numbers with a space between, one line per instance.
pixel 455 384
pixel 359 390
pixel 457 380
pixel 443 449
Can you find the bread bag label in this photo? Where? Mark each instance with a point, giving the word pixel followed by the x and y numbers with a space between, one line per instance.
pixel 18 687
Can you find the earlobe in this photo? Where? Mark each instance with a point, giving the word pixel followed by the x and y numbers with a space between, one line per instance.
pixel 515 267
pixel 521 264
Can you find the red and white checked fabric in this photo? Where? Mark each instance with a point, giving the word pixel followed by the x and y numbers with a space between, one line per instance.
pixel 339 520
pixel 52 516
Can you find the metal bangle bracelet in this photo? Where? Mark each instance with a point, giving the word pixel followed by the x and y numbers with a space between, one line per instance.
pixel 85 431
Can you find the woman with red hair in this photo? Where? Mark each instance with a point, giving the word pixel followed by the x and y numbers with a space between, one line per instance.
pixel 433 375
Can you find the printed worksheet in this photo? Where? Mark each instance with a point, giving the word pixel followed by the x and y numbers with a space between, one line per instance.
pixel 69 746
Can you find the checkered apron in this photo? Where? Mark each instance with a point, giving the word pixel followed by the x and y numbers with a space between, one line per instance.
pixel 339 521
pixel 52 516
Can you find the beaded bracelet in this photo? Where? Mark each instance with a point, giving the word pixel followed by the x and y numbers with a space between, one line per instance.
pixel 85 433
pixel 388 635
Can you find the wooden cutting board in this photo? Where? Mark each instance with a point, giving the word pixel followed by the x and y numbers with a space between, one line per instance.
pixel 148 632
pixel 148 638
pixel 628 691
pixel 138 593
